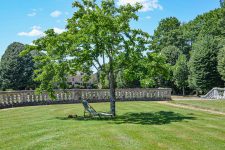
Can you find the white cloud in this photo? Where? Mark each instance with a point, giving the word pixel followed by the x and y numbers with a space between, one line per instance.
pixel 56 14
pixel 36 31
pixel 58 30
pixel 148 5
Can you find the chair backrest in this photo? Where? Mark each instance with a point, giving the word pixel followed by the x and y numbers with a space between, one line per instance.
pixel 88 107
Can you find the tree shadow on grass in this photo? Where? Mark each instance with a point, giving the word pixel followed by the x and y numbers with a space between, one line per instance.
pixel 152 118
pixel 143 118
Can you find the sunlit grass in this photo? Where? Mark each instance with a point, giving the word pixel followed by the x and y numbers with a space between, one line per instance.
pixel 218 105
pixel 139 125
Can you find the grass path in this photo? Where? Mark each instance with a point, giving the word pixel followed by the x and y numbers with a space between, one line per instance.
pixel 216 105
pixel 192 107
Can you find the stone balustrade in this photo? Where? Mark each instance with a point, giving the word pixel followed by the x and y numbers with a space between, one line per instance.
pixel 28 98
pixel 215 93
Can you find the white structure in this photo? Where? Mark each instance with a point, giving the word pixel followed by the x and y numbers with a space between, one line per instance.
pixel 215 93
pixel 78 79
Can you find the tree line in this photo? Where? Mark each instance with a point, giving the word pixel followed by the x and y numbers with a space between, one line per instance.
pixel 194 53
pixel 194 50
pixel 188 57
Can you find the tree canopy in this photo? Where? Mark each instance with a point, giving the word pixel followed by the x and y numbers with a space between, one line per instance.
pixel 99 36
pixel 163 34
pixel 173 38
pixel 16 72
pixel 203 65
pixel 171 53
pixel 221 62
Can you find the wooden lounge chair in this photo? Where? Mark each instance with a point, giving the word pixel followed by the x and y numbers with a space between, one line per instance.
pixel 92 112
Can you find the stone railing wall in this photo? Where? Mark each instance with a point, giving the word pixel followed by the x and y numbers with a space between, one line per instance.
pixel 215 93
pixel 28 98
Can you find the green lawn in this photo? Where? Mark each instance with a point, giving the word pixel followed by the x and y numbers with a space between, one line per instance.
pixel 218 105
pixel 139 125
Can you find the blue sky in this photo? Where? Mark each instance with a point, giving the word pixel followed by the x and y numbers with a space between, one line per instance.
pixel 24 21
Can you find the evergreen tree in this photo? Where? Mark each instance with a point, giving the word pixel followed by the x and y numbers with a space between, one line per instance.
pixel 221 55
pixel 171 53
pixel 221 63
pixel 203 65
pixel 222 20
pixel 161 37
pixel 16 72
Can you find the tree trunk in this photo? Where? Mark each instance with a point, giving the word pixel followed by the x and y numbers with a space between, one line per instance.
pixel 112 88
pixel 183 91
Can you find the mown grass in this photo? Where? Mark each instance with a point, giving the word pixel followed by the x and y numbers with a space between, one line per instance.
pixel 218 105
pixel 139 125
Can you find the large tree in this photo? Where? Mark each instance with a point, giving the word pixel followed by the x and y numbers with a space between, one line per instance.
pixel 171 53
pixel 161 37
pixel 210 23
pixel 16 72
pixel 221 55
pixel 180 73
pixel 222 19
pixel 97 34
pixel 221 62
pixel 203 65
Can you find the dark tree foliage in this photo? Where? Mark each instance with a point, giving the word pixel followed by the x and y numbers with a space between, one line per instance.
pixel 160 37
pixel 206 24
pixel 221 62
pixel 222 3
pixel 16 72
pixel 221 55
pixel 222 20
pixel 203 65
pixel 171 53
pixel 171 33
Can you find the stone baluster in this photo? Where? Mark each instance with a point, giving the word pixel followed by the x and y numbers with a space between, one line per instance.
pixel 26 97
